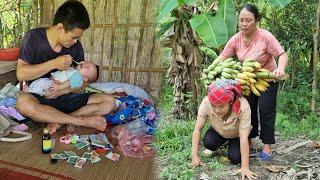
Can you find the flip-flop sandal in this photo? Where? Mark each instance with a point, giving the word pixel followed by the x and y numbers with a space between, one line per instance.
pixel 265 156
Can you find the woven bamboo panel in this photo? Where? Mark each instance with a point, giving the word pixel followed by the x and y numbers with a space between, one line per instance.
pixel 121 39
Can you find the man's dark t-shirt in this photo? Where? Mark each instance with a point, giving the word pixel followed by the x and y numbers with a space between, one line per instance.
pixel 35 49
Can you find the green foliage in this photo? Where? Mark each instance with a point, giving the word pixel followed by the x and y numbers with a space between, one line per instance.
pixel 294 115
pixel 164 28
pixel 166 91
pixel 190 2
pixel 295 103
pixel 279 3
pixel 167 7
pixel 16 17
pixel 220 26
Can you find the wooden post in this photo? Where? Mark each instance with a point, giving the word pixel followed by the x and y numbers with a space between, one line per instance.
pixel 315 61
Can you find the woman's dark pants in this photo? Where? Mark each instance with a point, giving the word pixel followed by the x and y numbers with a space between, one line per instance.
pixel 212 140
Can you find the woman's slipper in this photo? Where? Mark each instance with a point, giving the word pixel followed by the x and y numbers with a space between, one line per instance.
pixel 265 156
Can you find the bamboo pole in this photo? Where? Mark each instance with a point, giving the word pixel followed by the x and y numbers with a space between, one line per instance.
pixel 103 36
pixel 142 20
pixel 126 50
pixel 114 24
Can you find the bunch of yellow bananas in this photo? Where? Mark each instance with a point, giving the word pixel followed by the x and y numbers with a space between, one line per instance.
pixel 253 78
pixel 249 73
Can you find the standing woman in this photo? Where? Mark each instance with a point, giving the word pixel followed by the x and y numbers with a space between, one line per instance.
pixel 228 114
pixel 252 42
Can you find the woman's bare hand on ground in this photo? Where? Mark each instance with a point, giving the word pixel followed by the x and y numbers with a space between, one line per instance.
pixel 196 162
pixel 245 172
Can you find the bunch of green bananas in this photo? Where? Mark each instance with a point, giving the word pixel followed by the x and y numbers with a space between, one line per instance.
pixel 227 69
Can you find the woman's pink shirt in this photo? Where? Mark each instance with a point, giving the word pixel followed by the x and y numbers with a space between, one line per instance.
pixel 264 48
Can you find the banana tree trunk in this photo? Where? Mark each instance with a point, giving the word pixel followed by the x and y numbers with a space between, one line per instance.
pixel 184 70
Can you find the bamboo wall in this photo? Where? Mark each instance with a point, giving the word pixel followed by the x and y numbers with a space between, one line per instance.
pixel 121 39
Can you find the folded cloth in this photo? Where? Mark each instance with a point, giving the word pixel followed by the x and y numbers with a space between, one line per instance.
pixel 20 127
pixel 9 90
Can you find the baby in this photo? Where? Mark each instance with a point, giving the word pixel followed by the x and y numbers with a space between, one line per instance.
pixel 86 71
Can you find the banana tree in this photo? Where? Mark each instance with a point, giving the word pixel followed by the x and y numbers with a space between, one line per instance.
pixel 186 29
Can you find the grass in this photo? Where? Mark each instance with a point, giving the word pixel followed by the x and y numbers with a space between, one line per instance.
pixel 294 115
pixel 173 142
pixel 289 127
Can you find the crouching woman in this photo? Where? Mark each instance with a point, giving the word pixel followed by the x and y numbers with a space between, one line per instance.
pixel 229 116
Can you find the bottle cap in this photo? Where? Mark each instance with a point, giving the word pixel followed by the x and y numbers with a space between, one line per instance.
pixel 45 131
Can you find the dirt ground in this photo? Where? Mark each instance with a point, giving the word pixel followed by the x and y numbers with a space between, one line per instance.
pixel 292 159
pixel 295 158
pixel 9 77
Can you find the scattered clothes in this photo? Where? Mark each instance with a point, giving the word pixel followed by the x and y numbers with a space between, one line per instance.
pixel 121 116
pixel 8 102
pixel 131 145
pixel 11 112
pixel 131 109
pixel 139 127
pixel 20 127
pixel 136 120
pixel 9 90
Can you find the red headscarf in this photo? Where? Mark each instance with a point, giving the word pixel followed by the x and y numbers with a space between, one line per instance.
pixel 225 91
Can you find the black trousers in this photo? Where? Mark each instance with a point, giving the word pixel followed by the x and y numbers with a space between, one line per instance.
pixel 267 104
pixel 212 140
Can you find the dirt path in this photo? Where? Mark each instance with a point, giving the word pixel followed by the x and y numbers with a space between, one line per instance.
pixel 293 159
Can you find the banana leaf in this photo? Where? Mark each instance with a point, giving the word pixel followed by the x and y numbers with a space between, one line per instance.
pixel 212 30
pixel 279 3
pixel 164 28
pixel 167 7
pixel 228 13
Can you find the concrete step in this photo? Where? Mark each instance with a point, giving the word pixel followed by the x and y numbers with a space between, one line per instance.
pixel 7 66
pixel 7 72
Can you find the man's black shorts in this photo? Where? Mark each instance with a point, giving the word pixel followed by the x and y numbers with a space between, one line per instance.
pixel 66 103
